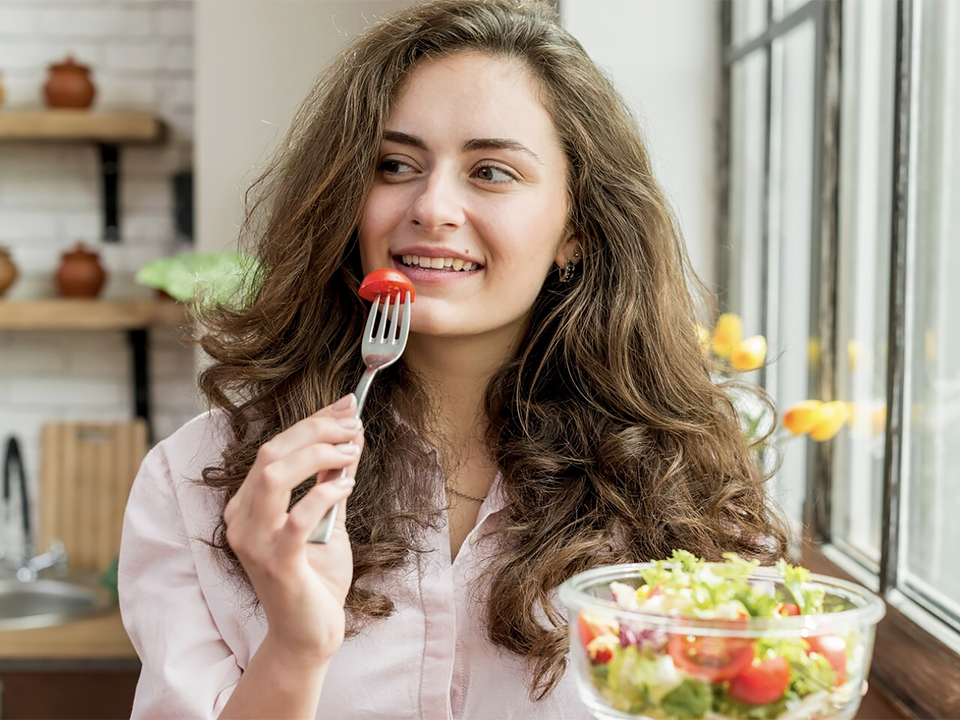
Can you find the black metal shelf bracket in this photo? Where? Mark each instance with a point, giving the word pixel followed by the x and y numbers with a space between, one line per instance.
pixel 110 173
pixel 141 377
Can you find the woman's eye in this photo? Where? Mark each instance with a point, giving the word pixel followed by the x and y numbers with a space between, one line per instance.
pixel 494 174
pixel 394 167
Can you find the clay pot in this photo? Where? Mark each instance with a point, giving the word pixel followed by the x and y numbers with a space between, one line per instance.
pixel 8 270
pixel 69 85
pixel 80 274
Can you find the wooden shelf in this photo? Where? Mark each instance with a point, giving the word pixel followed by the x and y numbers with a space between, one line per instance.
pixel 89 314
pixel 97 637
pixel 80 126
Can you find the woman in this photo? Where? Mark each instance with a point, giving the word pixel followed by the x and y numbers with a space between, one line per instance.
pixel 552 410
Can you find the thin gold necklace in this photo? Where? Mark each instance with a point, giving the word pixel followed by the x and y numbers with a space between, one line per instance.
pixel 452 489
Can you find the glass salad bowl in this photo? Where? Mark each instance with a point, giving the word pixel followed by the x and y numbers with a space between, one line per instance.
pixel 683 638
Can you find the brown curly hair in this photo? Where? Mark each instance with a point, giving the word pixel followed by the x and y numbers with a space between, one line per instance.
pixel 614 443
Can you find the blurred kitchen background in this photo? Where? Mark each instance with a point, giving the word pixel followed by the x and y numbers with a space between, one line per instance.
pixel 793 137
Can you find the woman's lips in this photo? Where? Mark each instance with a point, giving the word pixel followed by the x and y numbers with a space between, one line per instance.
pixel 419 274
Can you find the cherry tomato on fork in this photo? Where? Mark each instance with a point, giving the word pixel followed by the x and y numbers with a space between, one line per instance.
pixel 387 282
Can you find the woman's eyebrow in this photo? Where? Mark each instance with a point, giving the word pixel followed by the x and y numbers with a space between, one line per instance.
pixel 402 138
pixel 499 144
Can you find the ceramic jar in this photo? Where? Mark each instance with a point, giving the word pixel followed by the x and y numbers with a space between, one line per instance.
pixel 8 270
pixel 69 85
pixel 80 274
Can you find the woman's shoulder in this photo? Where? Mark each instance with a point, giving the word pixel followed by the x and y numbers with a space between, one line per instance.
pixel 197 444
pixel 169 483
pixel 210 426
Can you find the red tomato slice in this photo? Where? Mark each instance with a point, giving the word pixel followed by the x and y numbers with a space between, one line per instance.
pixel 761 682
pixel 788 609
pixel 834 649
pixel 713 659
pixel 386 282
pixel 590 627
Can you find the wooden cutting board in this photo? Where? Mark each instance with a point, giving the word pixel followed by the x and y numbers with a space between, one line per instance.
pixel 86 472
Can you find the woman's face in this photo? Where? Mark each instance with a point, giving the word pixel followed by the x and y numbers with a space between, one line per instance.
pixel 470 197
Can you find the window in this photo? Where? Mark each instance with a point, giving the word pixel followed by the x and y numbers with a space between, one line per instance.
pixel 842 245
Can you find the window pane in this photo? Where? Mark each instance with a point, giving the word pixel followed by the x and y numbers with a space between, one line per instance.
pixel 748 108
pixel 782 8
pixel 932 402
pixel 863 272
pixel 748 19
pixel 789 265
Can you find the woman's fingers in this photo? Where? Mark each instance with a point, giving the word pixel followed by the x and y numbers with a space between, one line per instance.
pixel 271 496
pixel 303 517
pixel 307 431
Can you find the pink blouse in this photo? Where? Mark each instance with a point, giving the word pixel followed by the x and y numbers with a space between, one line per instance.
pixel 195 631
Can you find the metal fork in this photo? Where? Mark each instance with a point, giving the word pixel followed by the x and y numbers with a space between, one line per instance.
pixel 383 343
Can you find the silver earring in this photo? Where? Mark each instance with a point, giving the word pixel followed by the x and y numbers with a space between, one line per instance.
pixel 567 271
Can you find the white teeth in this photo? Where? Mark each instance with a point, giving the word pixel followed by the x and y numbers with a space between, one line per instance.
pixel 437 263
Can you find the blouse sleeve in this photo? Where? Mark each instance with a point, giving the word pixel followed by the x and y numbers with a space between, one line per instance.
pixel 188 670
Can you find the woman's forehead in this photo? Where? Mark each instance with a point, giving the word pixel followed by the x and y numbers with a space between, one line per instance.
pixel 476 94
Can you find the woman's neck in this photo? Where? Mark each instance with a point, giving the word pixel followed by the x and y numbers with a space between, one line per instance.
pixel 455 373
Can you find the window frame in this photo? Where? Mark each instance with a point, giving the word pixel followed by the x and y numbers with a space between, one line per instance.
pixel 912 668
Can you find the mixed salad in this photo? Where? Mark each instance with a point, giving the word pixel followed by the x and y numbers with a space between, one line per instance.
pixel 653 672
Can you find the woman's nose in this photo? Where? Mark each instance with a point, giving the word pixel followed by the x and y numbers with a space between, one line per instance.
pixel 439 205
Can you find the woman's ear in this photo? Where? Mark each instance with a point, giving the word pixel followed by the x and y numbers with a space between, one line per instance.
pixel 568 257
pixel 568 252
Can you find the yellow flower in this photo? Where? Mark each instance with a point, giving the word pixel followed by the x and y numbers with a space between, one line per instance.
pixel 703 337
pixel 727 334
pixel 813 351
pixel 833 415
pixel 749 354
pixel 852 355
pixel 803 417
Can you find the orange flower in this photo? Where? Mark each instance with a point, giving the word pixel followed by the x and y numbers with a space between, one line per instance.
pixel 726 334
pixel 803 417
pixel 749 354
pixel 833 416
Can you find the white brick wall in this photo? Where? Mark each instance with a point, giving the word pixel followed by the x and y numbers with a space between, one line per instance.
pixel 141 54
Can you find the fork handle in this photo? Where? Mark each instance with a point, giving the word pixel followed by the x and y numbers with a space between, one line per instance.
pixel 324 529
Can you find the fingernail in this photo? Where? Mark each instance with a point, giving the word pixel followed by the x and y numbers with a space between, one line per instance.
pixel 343 403
pixel 345 483
pixel 348 448
pixel 349 423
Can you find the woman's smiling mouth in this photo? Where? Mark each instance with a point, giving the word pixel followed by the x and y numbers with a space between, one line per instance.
pixel 448 264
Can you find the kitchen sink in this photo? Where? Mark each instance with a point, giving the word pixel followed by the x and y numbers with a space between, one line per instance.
pixel 44 602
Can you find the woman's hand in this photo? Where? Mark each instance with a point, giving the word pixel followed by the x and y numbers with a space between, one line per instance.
pixel 301 585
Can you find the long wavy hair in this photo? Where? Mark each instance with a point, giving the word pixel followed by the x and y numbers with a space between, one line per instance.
pixel 613 442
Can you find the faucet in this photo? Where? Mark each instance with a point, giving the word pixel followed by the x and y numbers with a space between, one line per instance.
pixel 31 564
